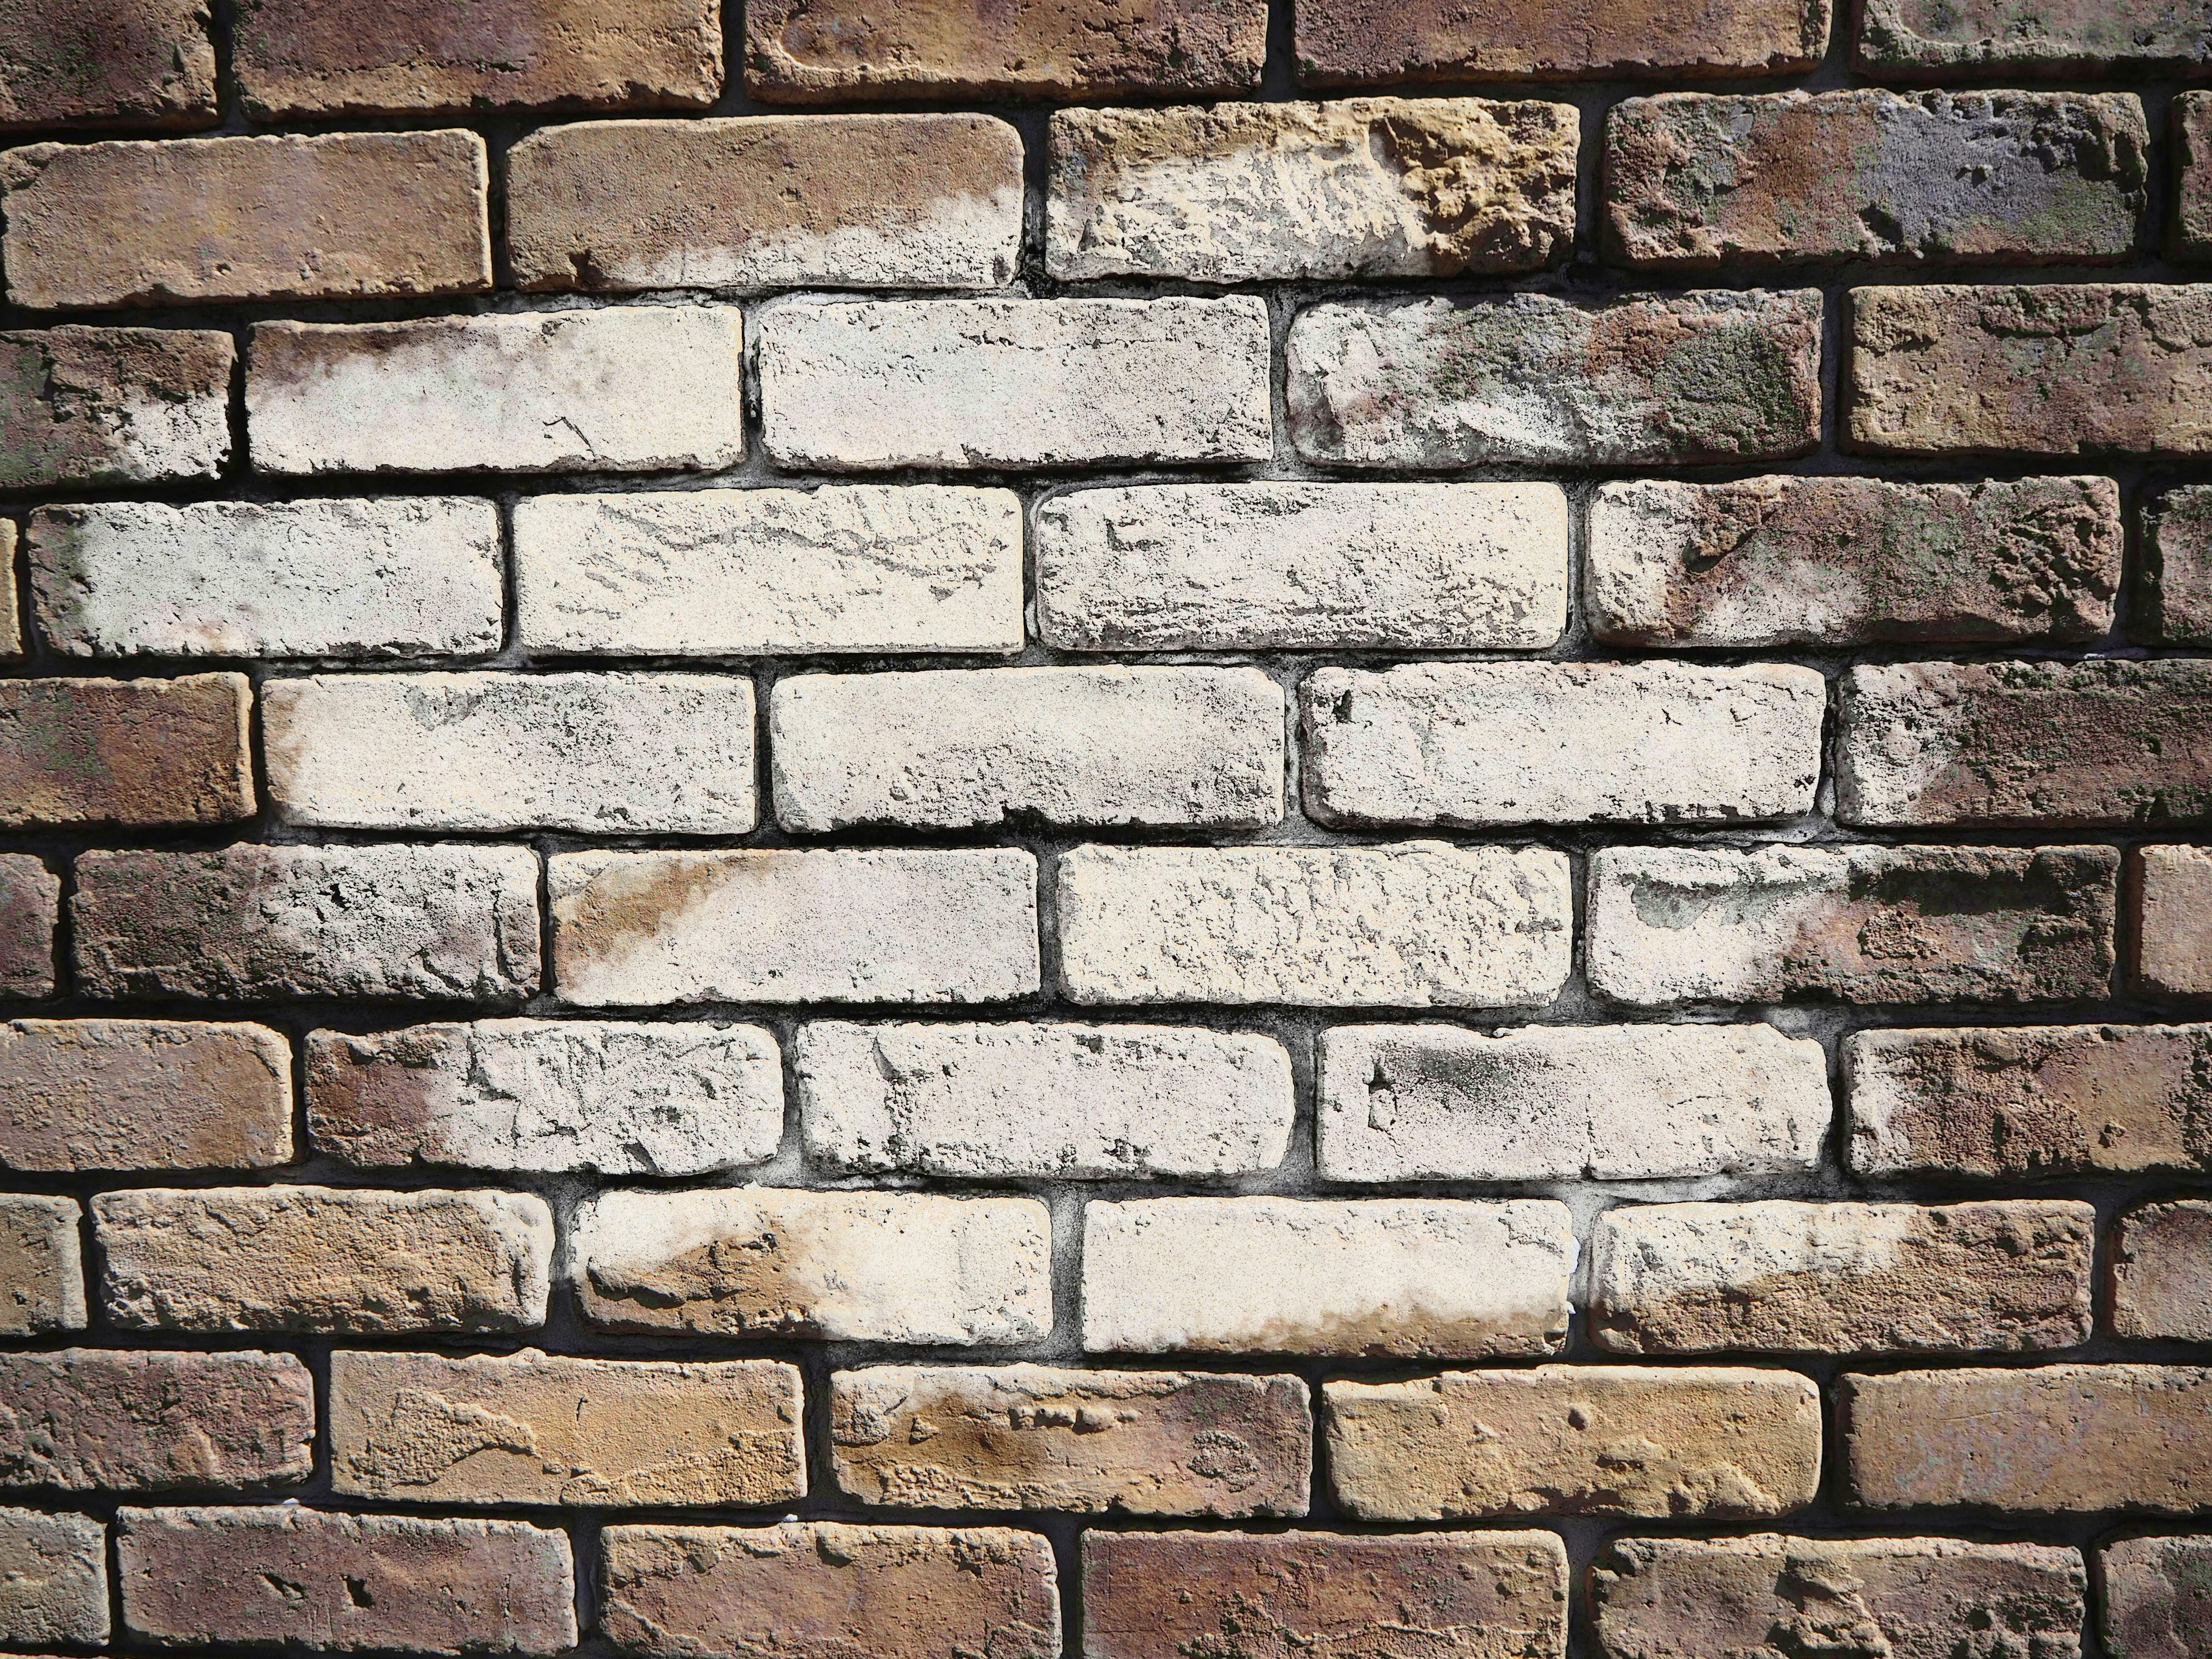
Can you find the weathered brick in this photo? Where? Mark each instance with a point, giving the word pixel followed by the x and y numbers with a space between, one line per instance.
pixel 1453 1595
pixel 812 51
pixel 2176 589
pixel 2031 37
pixel 131 752
pixel 93 63
pixel 1693 181
pixel 563 1096
pixel 2157 1597
pixel 537 1428
pixel 1403 1278
pixel 1083 1102
pixel 1469 744
pixel 1089 1442
pixel 2088 369
pixel 30 905
pixel 1534 379
pixel 343 1583
pixel 2192 145
pixel 186 220
pixel 627 389
pixel 1858 924
pixel 399 577
pixel 1264 566
pixel 1415 924
pixel 1350 43
pixel 1833 560
pixel 87 1419
pixel 323 1258
pixel 858 569
pixel 301 57
pixel 765 202
pixel 854 1267
pixel 11 632
pixel 955 748
pixel 53 1580
pixel 2049 1438
pixel 1367 187
pixel 2162 1272
pixel 2171 889
pixel 1606 1103
pixel 638 929
pixel 866 385
pixel 1687 1443
pixel 41 1265
pixel 259 922
pixel 113 406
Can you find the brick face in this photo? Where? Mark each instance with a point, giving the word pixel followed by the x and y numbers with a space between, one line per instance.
pixel 41 1265
pixel 2030 38
pixel 2191 236
pixel 138 752
pixel 1371 42
pixel 113 406
pixel 151 1094
pixel 92 63
pixel 89 1419
pixel 30 905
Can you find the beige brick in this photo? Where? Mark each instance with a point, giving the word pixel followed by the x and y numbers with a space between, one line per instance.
pixel 2157 1596
pixel 2191 237
pixel 1350 43
pixel 2162 1272
pixel 2172 890
pixel 87 1419
pixel 41 1266
pixel 2175 583
pixel 2031 37
pixel 93 62
pixel 11 632
pixel 113 406
pixel 134 752
pixel 30 903
pixel 53 1580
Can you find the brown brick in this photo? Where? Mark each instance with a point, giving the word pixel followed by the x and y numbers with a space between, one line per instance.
pixel 89 1419
pixel 2031 37
pixel 141 1094
pixel 30 906
pixel 537 1428
pixel 2053 1438
pixel 2172 892
pixel 1687 1443
pixel 183 221
pixel 307 57
pixel 2178 582
pixel 814 51
pixel 113 406
pixel 2191 237
pixel 41 1265
pixel 1091 1442
pixel 125 752
pixel 1445 1595
pixel 1344 43
pixel 2157 1597
pixel 2162 1272
pixel 343 1583
pixel 53 1580
pixel 804 1588
pixel 105 63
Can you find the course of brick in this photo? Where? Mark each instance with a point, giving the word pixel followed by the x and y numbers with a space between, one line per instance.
pixel 1159 828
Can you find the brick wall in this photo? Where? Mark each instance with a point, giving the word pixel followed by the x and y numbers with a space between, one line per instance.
pixel 939 832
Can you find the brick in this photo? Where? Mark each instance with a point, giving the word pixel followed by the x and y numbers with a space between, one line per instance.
pixel 843 1266
pixel 1282 566
pixel 1403 1277
pixel 189 221
pixel 41 1266
pixel 11 633
pixel 1469 744
pixel 1017 383
pixel 627 389
pixel 812 51
pixel 2031 37
pixel 1366 187
pixel 1856 924
pixel 323 1260
pixel 350 1583
pixel 2162 1272
pixel 2050 1438
pixel 2088 369
pixel 1456 1595
pixel 263 923
pixel 911 924
pixel 113 406
pixel 53 1580
pixel 1685 1443
pixel 136 752
pixel 1084 1441
pixel 2047 1100
pixel 30 904
pixel 746 573
pixel 87 1419
pixel 767 202
pixel 2157 1596
pixel 537 1428
pixel 1532 379
pixel 1767 1596
pixel 2172 890
pixel 555 1095
pixel 397 577
pixel 1415 924
pixel 1693 182
pixel 1833 560
pixel 1083 1102
pixel 2191 237
pixel 958 748
pixel 91 62
pixel 1349 43
pixel 300 57
pixel 1605 1103
pixel 2177 588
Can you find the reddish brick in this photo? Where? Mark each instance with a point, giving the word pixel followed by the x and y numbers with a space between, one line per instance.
pixel 2162 1272
pixel 105 63
pixel 91 1420
pixel 11 631
pixel 2172 892
pixel 140 1094
pixel 2176 590
pixel 30 906
pixel 2157 1597
pixel 41 1265
pixel 125 752
pixel 1357 43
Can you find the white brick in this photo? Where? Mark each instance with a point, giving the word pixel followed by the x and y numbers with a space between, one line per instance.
pixel 1405 1278
pixel 1413 926
pixel 965 747
pixel 1082 1102
pixel 606 754
pixel 1605 1103
pixel 1302 567
pixel 627 389
pixel 1014 383
pixel 1476 743
pixel 770 572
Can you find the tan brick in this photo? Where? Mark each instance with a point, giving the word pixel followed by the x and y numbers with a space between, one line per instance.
pixel 1370 42
pixel 186 220
pixel 113 406
pixel 11 632
pixel 93 63
pixel 53 1580
pixel 2171 887
pixel 2157 1597
pixel 1087 1442
pixel 2192 209
pixel 537 1428
pixel 30 906
pixel 2162 1272
pixel 89 1419
pixel 1684 1443
pixel 41 1265
pixel 125 752
pixel 2176 586
pixel 2031 37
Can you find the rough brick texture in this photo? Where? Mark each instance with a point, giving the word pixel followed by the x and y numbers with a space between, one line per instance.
pixel 53 1580
pixel 2157 1597
pixel 2031 37
pixel 93 63
pixel 2162 1272
pixel 2192 216
pixel 133 752
pixel 89 1419
pixel 2177 584
pixel 41 1265
pixel 2172 892
pixel 113 406
pixel 30 905
pixel 143 1094
pixel 1370 42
